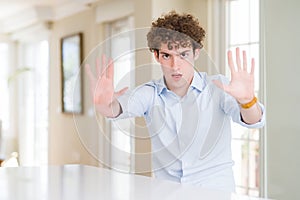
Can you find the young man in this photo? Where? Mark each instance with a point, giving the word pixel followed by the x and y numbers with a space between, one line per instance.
pixel 188 113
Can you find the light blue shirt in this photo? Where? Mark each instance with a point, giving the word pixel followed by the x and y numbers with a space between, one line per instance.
pixel 190 136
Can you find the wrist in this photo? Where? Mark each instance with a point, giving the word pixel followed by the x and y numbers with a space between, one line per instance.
pixel 249 103
pixel 246 99
pixel 115 108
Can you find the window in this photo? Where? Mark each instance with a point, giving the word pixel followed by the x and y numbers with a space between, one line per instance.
pixel 33 103
pixel 242 28
pixel 120 48
pixel 24 100
pixel 4 100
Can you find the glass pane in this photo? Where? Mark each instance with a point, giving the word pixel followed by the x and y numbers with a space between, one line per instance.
pixel 253 164
pixel 254 134
pixel 33 103
pixel 254 53
pixel 238 131
pixel 120 47
pixel 243 30
pixel 241 190
pixel 240 157
pixel 254 21
pixel 253 192
pixel 121 135
pixel 4 100
pixel 244 21
pixel 239 22
pixel 41 102
pixel 120 149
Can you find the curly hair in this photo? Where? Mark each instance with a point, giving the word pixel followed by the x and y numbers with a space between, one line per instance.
pixel 176 30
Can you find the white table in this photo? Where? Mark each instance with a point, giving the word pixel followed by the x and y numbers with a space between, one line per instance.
pixel 78 182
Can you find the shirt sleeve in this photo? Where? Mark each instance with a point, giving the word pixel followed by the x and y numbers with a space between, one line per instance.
pixel 136 103
pixel 238 119
pixel 231 107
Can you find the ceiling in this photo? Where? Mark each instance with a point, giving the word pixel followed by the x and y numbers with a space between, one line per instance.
pixel 17 14
pixel 12 7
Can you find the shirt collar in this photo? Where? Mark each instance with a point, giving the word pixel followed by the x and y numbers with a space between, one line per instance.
pixel 197 83
pixel 161 86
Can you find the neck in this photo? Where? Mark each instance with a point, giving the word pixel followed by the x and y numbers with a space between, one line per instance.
pixel 179 91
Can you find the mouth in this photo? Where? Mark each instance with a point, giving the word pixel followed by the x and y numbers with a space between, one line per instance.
pixel 177 76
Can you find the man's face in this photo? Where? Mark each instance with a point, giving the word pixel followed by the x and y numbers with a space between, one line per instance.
pixel 177 66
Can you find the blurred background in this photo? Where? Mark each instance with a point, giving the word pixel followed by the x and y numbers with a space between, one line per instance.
pixel 36 127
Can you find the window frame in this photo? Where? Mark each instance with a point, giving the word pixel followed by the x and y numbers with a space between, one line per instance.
pixel 217 48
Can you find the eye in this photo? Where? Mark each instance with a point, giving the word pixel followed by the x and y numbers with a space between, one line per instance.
pixel 184 54
pixel 166 56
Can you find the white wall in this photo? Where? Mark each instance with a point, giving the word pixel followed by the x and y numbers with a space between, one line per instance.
pixel 71 142
pixel 282 48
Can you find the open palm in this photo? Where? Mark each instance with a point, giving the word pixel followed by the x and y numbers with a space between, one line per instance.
pixel 102 86
pixel 241 85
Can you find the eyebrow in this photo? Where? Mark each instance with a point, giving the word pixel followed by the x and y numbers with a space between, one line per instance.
pixel 171 54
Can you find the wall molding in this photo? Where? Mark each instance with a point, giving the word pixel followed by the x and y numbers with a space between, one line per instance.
pixel 41 14
pixel 114 10
pixel 36 32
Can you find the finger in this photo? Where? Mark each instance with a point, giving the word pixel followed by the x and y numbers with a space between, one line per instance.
pixel 110 69
pixel 244 61
pixel 104 65
pixel 91 79
pixel 100 68
pixel 121 92
pixel 238 59
pixel 252 66
pixel 230 61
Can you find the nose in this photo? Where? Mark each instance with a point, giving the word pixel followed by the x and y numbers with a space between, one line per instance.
pixel 176 62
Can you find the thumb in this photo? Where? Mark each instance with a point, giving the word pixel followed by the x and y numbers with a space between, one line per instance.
pixel 120 92
pixel 220 85
pixel 89 72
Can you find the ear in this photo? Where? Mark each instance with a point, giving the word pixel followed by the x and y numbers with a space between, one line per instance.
pixel 156 56
pixel 196 54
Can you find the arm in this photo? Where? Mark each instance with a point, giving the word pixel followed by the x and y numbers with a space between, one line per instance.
pixel 251 115
pixel 102 88
pixel 241 87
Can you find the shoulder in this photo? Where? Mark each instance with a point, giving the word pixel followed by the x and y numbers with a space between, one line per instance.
pixel 210 88
pixel 144 91
pixel 156 86
pixel 218 77
pixel 207 80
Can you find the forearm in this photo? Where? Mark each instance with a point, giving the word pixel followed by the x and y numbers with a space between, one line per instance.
pixel 251 115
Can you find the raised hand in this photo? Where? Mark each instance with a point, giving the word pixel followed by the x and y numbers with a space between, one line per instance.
pixel 241 86
pixel 102 88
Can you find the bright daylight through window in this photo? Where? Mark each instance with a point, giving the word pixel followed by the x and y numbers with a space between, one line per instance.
pixel 242 26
